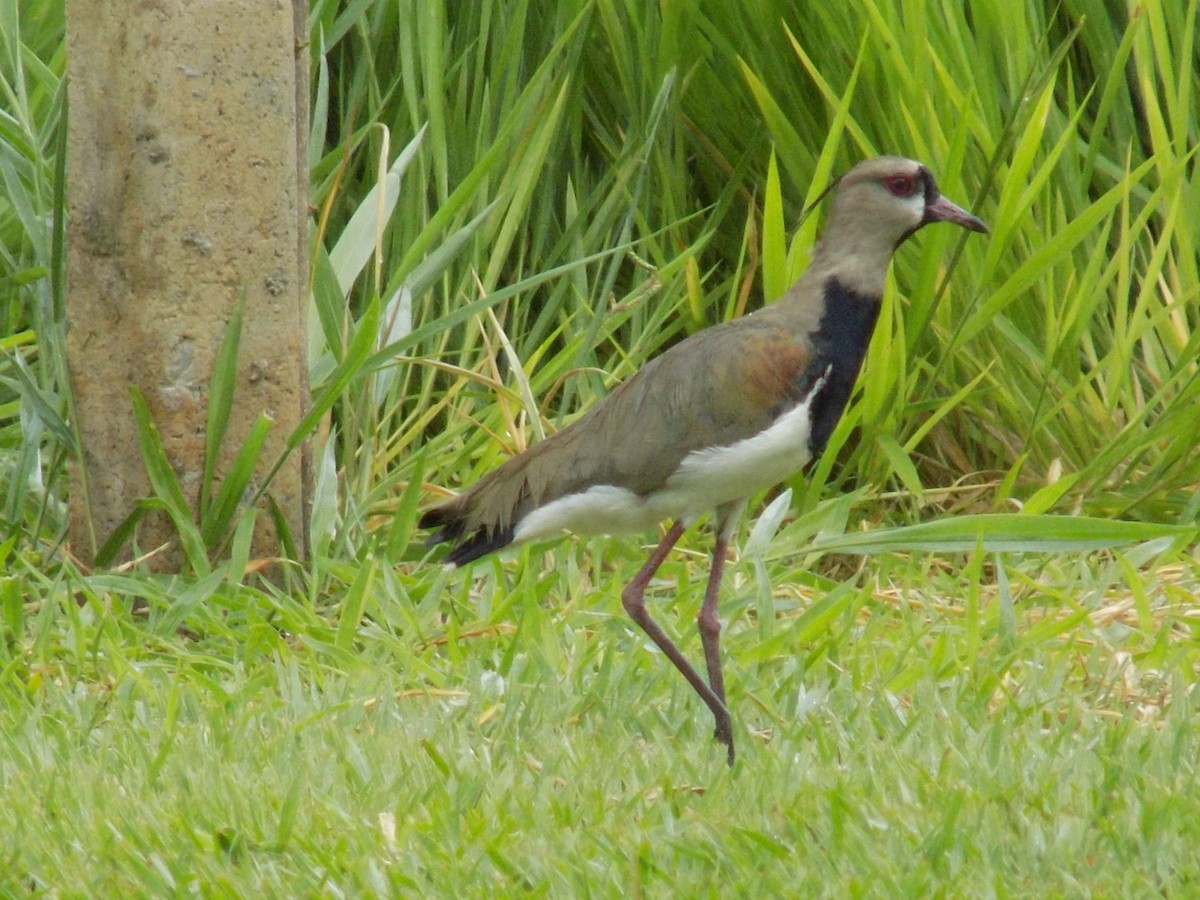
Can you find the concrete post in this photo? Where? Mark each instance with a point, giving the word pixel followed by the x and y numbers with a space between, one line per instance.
pixel 187 187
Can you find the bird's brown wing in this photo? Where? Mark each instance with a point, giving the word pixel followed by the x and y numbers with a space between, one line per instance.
pixel 723 386
pixel 718 387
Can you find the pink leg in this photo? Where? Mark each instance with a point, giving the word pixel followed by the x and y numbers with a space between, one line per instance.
pixel 710 625
pixel 634 600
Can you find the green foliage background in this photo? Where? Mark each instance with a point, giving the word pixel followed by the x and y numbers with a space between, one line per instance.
pixel 963 655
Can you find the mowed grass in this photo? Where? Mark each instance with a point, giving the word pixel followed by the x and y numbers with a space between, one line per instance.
pixel 911 731
pixel 961 654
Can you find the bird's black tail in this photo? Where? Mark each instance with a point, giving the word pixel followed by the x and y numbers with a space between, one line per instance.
pixel 448 520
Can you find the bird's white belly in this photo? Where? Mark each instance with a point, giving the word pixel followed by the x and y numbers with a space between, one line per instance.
pixel 705 479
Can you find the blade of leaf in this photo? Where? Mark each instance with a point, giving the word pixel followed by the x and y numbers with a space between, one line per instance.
pixel 166 485
pixel 220 396
pixel 405 517
pixel 215 520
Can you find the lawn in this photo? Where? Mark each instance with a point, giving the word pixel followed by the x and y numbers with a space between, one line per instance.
pixel 961 651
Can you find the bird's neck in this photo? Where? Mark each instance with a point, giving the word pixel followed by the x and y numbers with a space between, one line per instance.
pixel 859 266
pixel 841 273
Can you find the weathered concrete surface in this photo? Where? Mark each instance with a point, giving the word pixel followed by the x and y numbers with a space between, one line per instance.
pixel 187 186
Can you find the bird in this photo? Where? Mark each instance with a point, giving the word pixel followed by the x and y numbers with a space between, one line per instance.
pixel 733 409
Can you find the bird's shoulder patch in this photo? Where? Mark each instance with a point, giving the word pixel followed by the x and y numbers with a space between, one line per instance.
pixel 767 374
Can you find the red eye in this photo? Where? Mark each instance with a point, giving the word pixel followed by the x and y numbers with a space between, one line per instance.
pixel 901 185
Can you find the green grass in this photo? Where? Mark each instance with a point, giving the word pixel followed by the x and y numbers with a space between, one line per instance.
pixel 897 736
pixel 961 657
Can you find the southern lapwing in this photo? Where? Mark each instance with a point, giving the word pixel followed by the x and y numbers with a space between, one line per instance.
pixel 731 410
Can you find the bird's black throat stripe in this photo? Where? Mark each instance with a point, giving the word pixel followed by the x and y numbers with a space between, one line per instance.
pixel 839 344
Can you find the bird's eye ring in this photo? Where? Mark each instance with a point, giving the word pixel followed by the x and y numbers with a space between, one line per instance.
pixel 901 185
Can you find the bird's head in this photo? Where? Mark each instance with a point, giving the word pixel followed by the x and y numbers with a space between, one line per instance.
pixel 876 206
pixel 888 198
